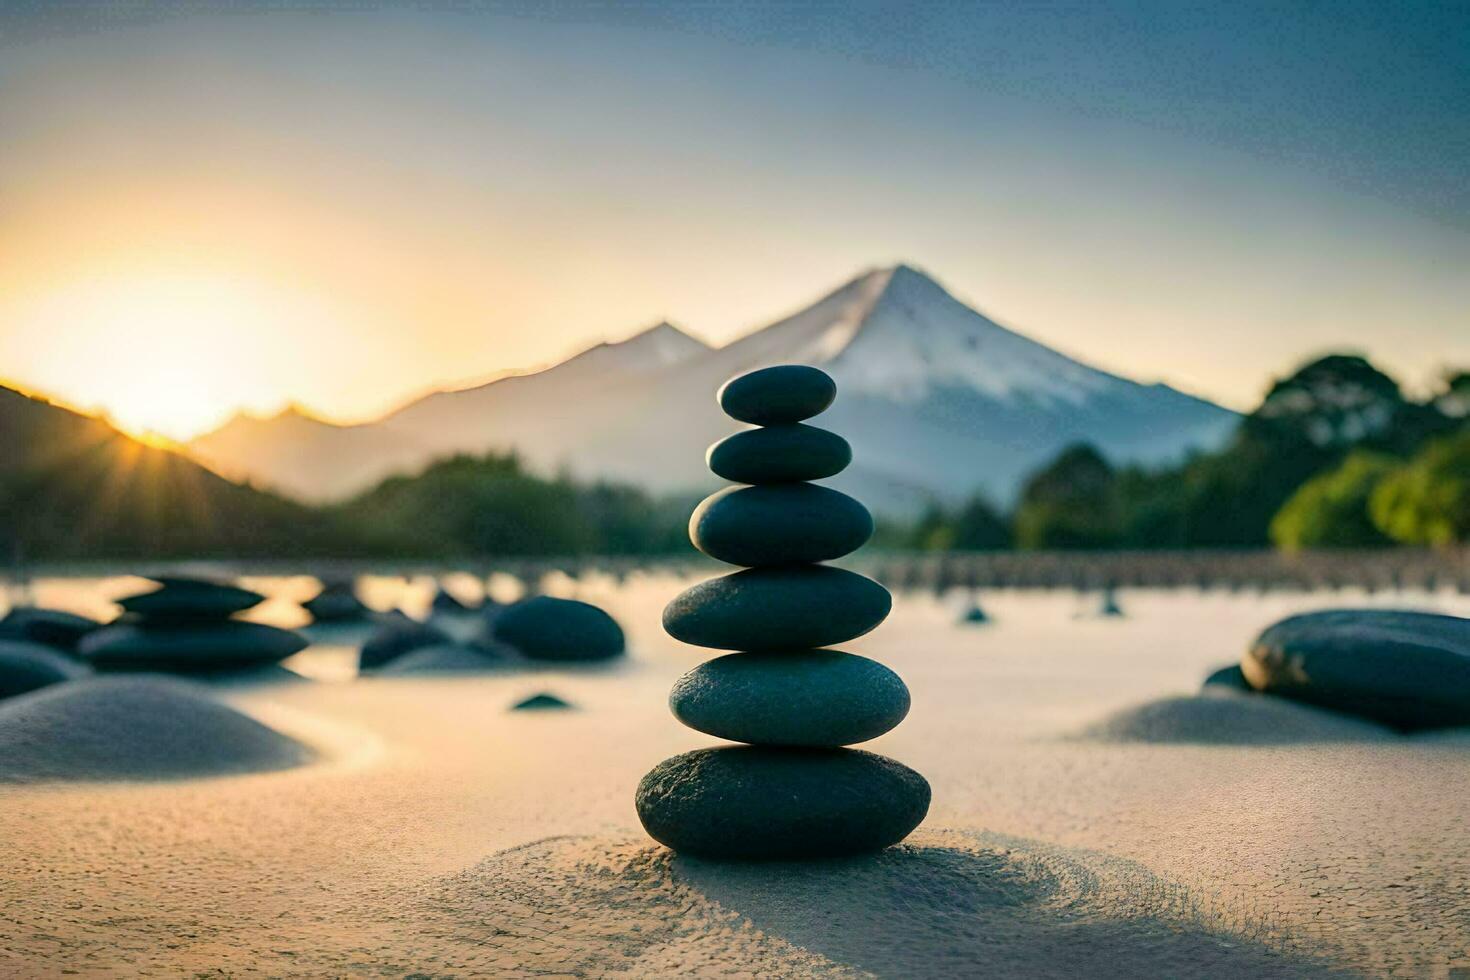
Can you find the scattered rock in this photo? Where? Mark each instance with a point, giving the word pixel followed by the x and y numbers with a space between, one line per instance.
pixel 779 524
pixel 540 702
pixel 1410 670
pixel 778 395
pixel 805 697
pixel 50 627
pixel 186 646
pixel 26 667
pixel 1229 677
pixel 190 599
pixel 337 602
pixel 103 728
pixel 398 635
pixel 779 454
pixel 444 603
pixel 544 628
pixel 754 802
pixel 804 606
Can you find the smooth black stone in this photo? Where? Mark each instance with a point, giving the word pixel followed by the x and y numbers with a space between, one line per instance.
pixel 780 524
pixel 803 697
pixel 1410 670
pixel 397 636
pixel 776 395
pixel 545 628
pixel 755 803
pixel 191 599
pixel 541 702
pixel 445 602
pixel 25 667
pixel 1228 677
pixel 336 603
pixel 791 608
pixel 779 454
pixel 49 627
pixel 221 645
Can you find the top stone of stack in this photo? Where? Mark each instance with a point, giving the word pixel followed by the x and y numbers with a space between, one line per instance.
pixel 778 395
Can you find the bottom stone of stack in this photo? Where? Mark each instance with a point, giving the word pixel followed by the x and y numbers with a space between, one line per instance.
pixel 763 802
pixel 814 698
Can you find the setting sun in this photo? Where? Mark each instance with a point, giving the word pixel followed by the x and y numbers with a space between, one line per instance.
pixel 167 353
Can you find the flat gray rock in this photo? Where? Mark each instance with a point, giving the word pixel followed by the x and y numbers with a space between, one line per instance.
pixel 779 454
pixel 1407 669
pixel 185 646
pixel 778 395
pixel 779 524
pixel 754 803
pixel 794 608
pixel 820 698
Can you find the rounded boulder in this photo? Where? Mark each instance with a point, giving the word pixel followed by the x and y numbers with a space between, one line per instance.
pixel 758 803
pixel 546 628
pixel 779 524
pixel 779 454
pixel 789 608
pixel 1410 670
pixel 778 395
pixel 822 698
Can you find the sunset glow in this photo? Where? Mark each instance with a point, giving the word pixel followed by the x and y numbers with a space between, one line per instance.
pixel 346 210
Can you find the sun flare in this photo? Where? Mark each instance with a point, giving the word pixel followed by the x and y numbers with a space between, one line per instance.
pixel 166 354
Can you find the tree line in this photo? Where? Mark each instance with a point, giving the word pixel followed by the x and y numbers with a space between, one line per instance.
pixel 1335 456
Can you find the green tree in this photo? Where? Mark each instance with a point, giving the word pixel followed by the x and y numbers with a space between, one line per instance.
pixel 1428 501
pixel 1331 509
pixel 1072 503
pixel 979 527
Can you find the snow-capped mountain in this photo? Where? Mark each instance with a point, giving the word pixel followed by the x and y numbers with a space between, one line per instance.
pixel 937 400
pixel 318 461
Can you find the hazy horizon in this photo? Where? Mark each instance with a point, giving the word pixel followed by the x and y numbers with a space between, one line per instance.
pixel 207 210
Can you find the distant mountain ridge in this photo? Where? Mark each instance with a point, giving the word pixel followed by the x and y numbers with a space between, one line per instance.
pixel 73 487
pixel 938 401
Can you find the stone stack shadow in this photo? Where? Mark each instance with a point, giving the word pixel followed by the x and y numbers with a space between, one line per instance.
pixel 793 790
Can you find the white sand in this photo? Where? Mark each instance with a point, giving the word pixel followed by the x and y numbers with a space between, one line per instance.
pixel 447 835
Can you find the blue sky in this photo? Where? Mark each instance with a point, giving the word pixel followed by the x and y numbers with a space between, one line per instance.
pixel 1200 193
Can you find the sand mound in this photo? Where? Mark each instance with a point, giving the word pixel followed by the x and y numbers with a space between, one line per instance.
pixel 134 728
pixel 943 905
pixel 1220 717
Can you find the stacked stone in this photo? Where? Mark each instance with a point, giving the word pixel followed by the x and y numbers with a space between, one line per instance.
pixel 187 625
pixel 793 791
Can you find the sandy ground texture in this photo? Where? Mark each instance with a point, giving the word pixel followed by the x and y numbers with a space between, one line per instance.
pixel 1090 818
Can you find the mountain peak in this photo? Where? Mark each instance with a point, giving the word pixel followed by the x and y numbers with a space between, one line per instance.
pixel 653 347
